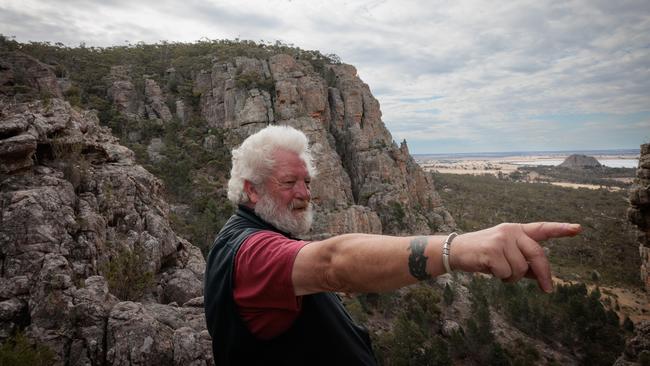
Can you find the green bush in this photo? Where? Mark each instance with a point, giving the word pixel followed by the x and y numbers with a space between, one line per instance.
pixel 571 315
pixel 252 79
pixel 126 276
pixel 355 309
pixel 413 339
pixel 18 350
pixel 396 220
pixel 408 345
pixel 73 95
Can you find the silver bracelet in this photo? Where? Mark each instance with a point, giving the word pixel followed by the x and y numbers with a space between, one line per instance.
pixel 446 250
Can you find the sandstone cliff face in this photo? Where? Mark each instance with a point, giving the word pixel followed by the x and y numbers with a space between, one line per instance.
pixel 72 201
pixel 639 212
pixel 365 182
pixel 147 104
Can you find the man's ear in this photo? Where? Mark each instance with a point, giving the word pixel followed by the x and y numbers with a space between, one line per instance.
pixel 251 192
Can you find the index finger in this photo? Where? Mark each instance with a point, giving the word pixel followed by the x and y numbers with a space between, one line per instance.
pixel 539 267
pixel 539 231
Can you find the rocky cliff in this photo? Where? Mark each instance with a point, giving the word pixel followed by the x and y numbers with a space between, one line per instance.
pixel 89 263
pixel 366 182
pixel 83 228
pixel 639 211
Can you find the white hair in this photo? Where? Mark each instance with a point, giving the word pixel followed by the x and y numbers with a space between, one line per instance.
pixel 253 159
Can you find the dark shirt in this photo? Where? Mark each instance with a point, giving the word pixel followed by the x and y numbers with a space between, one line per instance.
pixel 323 333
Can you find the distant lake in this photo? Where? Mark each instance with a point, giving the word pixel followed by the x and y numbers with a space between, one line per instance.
pixel 612 163
pixel 617 158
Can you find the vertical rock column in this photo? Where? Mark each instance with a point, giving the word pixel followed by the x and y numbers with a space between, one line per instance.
pixel 639 212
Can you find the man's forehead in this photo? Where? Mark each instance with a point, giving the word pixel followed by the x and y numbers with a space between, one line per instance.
pixel 288 164
pixel 287 158
pixel 285 154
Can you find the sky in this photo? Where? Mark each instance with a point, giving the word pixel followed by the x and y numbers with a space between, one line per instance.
pixel 450 76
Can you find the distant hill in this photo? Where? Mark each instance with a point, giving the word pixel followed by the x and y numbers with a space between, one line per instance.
pixel 580 161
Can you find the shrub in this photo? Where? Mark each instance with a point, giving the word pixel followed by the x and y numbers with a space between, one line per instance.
pixel 355 309
pixel 572 316
pixel 397 215
pixel 76 168
pixel 250 80
pixel 18 350
pixel 73 95
pixel 126 276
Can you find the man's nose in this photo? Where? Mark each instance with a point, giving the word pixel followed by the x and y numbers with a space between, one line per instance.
pixel 302 190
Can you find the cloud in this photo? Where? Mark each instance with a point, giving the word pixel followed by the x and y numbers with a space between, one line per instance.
pixel 443 71
pixel 223 16
pixel 19 22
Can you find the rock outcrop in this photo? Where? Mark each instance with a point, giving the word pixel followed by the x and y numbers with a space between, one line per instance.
pixel 580 161
pixel 73 205
pixel 147 103
pixel 639 211
pixel 21 74
pixel 122 92
pixel 366 182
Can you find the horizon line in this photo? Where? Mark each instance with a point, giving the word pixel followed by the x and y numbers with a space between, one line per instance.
pixel 528 151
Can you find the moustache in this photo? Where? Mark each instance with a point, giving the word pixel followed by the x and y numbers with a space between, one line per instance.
pixel 299 204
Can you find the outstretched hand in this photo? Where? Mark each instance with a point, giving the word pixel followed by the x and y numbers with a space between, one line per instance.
pixel 510 251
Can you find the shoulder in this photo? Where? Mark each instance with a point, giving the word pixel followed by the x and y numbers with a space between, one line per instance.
pixel 266 240
pixel 263 268
pixel 267 248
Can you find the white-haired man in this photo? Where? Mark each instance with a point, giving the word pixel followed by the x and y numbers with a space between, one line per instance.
pixel 270 298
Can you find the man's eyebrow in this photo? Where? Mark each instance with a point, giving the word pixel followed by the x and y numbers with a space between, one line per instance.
pixel 290 176
pixel 283 177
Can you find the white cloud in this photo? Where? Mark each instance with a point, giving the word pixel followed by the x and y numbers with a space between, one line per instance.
pixel 474 70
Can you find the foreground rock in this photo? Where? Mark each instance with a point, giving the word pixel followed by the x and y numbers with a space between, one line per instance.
pixel 74 206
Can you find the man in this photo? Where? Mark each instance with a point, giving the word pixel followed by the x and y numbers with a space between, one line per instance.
pixel 269 298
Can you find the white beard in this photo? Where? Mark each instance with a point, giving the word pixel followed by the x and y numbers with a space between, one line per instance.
pixel 283 218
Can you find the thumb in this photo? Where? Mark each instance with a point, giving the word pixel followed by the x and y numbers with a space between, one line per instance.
pixel 539 231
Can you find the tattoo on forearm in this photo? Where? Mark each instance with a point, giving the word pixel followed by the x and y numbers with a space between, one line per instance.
pixel 417 259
